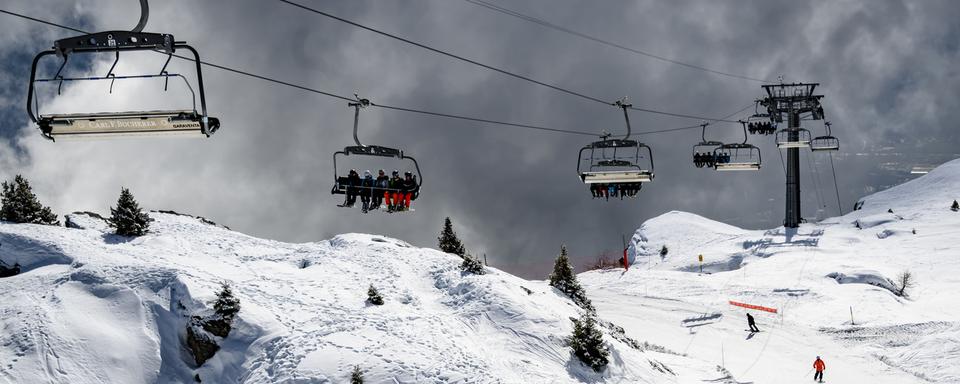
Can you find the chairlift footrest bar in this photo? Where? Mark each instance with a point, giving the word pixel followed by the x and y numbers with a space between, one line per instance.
pixel 115 41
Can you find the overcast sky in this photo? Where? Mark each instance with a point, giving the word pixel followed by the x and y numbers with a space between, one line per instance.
pixel 888 70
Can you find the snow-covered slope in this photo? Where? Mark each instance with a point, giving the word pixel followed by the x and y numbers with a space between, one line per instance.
pixel 830 281
pixel 91 307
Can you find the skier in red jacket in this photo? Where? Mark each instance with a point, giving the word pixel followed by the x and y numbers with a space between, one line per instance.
pixel 819 367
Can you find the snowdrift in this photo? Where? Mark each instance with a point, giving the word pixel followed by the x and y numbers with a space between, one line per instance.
pixel 92 307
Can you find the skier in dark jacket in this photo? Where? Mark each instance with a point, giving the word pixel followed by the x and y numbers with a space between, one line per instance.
pixel 366 190
pixel 353 184
pixel 409 188
pixel 393 198
pixel 379 188
pixel 752 323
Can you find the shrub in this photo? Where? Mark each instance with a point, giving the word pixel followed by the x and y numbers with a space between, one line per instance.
pixel 373 296
pixel 472 265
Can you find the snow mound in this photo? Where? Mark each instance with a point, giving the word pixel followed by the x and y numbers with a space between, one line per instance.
pixel 684 234
pixel 92 307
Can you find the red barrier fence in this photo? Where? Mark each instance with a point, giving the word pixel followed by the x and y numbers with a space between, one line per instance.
pixel 751 306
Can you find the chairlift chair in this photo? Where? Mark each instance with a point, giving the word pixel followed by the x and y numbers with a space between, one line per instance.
pixel 784 140
pixel 98 124
pixel 705 148
pixel 616 161
pixel 738 156
pixel 341 183
pixel 825 143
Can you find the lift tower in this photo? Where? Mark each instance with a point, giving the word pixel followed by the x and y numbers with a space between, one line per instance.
pixel 793 102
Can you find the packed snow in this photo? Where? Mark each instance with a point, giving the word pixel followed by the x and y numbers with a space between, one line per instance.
pixel 93 307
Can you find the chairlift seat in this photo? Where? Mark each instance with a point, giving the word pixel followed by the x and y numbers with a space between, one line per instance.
pixel 631 176
pixel 740 157
pixel 84 125
pixel 825 143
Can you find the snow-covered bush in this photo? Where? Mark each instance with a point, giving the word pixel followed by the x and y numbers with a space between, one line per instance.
pixel 587 343
pixel 565 280
pixel 18 204
pixel 373 296
pixel 356 377
pixel 448 240
pixel 127 217
pixel 472 265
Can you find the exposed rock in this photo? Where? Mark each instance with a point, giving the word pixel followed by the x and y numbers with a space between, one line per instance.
pixel 201 346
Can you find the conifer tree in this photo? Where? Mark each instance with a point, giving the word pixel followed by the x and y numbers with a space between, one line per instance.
pixel 565 280
pixel 18 204
pixel 373 296
pixel 472 265
pixel 227 306
pixel 448 240
pixel 356 377
pixel 955 207
pixel 587 343
pixel 128 218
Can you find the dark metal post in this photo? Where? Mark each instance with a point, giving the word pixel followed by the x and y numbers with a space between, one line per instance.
pixel 792 212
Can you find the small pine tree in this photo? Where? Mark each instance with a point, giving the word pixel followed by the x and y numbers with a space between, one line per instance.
pixel 227 306
pixel 565 280
pixel 356 377
pixel 587 343
pixel 128 218
pixel 448 240
pixel 663 251
pixel 373 296
pixel 955 207
pixel 472 265
pixel 18 204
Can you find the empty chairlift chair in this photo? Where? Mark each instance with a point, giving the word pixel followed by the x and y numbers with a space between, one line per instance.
pixel 98 124
pixel 786 138
pixel 826 142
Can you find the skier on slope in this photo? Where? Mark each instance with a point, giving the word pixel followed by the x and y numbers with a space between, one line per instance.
pixel 752 323
pixel 819 367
